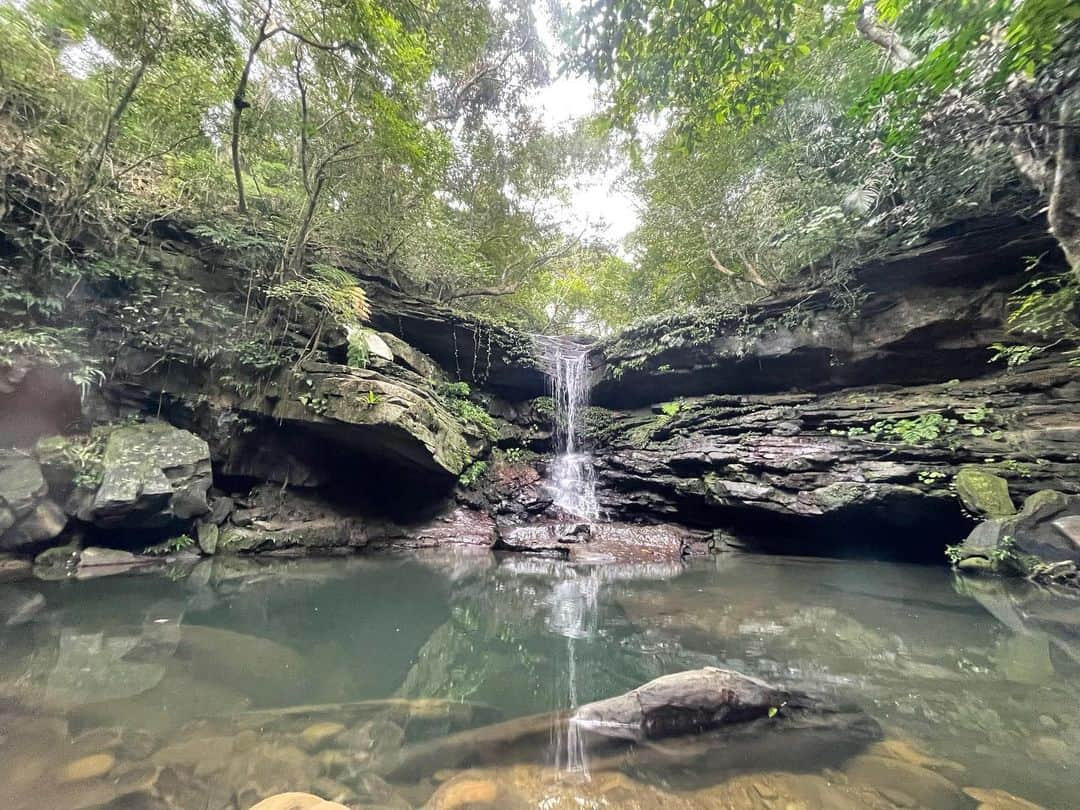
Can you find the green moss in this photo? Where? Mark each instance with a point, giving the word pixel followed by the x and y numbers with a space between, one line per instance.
pixel 985 494
pixel 170 546
pixel 455 397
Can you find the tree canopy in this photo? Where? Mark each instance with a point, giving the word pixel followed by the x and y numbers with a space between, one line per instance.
pixel 769 144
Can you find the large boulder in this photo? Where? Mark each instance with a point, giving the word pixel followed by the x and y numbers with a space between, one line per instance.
pixel 1046 532
pixel 27 516
pixel 154 474
pixel 375 416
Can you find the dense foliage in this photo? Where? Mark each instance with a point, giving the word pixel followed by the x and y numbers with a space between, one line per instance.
pixel 806 137
pixel 393 135
pixel 772 145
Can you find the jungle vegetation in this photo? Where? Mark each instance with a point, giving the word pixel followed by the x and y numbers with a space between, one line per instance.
pixel 771 144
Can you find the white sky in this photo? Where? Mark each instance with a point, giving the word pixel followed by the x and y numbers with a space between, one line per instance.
pixel 596 199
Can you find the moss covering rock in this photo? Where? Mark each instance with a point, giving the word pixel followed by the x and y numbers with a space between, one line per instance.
pixel 1037 540
pixel 983 493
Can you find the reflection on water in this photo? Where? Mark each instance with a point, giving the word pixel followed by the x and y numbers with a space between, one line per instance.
pixel 574 615
pixel 429 680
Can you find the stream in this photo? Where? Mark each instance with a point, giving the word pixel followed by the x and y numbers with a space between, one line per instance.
pixel 216 685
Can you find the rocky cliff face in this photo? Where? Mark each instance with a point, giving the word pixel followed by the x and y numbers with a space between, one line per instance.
pixel 800 426
pixel 805 429
pixel 358 452
pixel 929 314
pixel 866 470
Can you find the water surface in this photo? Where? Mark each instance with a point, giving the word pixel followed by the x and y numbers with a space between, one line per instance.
pixel 213 686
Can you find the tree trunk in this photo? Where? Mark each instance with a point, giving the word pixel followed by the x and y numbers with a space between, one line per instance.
pixel 1063 212
pixel 882 36
pixel 240 104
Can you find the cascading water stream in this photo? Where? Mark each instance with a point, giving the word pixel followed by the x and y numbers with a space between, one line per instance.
pixel 572 479
pixel 572 482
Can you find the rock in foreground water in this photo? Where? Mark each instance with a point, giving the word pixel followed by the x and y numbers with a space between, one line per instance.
pixel 297 801
pixel 683 703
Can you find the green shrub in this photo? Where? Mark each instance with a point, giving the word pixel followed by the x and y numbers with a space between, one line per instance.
pixel 473 474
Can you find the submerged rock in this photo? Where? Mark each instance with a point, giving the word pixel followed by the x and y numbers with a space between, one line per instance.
pixel 297 801
pixel 923 787
pixel 996 799
pixel 318 735
pixel 708 715
pixel 90 767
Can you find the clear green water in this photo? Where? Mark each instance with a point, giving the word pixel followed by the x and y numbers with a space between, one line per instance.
pixel 178 676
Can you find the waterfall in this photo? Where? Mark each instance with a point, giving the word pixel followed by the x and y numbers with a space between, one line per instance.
pixel 572 478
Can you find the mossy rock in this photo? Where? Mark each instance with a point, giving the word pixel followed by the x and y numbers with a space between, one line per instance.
pixel 983 493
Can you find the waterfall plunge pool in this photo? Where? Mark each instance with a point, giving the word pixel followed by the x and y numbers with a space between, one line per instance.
pixel 215 686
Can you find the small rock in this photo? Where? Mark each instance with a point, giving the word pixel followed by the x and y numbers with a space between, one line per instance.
pixel 995 799
pixel 207 534
pixel 219 509
pixel 1052 749
pixel 333 762
pixel 297 801
pixel 316 736
pixel 909 753
pixel 375 345
pixel 975 565
pixel 94 555
pixel 90 767
pixel 464 792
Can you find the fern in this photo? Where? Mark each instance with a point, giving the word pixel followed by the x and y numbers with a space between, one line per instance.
pixel 330 289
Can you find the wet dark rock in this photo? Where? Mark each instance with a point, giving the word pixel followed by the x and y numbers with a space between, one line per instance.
pixel 485 354
pixel 932 311
pixel 983 493
pixel 839 486
pixel 711 715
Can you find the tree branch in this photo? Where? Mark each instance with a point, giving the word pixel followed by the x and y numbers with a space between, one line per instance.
pixel 883 36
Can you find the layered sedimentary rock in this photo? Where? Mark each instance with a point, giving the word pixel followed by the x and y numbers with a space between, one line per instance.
pixel 803 427
pixel 929 314
pixel 865 469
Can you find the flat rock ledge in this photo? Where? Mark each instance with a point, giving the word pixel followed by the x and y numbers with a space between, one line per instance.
pixel 603 542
